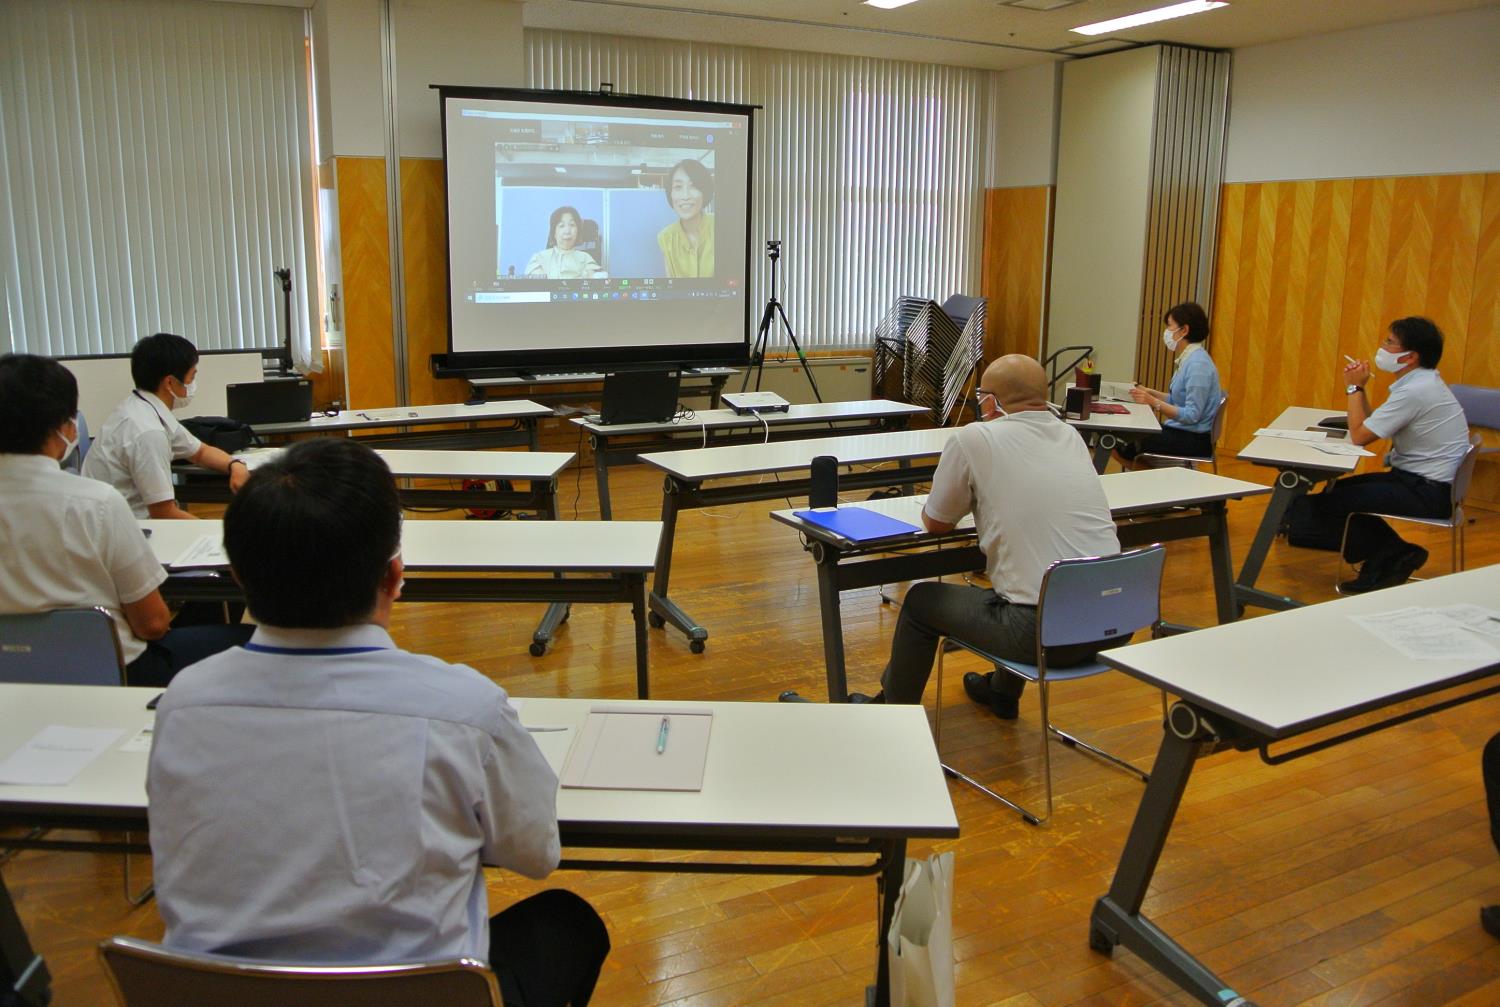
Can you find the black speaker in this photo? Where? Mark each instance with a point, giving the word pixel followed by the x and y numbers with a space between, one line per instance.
pixel 824 491
pixel 1076 402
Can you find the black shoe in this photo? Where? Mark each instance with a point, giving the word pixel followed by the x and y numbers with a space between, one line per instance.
pixel 977 687
pixel 859 698
pixel 1412 559
pixel 1386 570
pixel 1489 918
pixel 791 696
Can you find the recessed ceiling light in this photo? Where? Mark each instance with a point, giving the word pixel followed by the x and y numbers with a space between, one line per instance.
pixel 888 4
pixel 1150 16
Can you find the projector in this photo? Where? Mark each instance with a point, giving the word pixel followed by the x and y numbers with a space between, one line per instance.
pixel 749 403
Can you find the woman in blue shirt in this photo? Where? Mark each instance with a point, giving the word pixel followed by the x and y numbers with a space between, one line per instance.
pixel 1191 404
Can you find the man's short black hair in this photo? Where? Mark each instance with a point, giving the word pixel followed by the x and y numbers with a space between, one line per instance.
pixel 1421 336
pixel 311 534
pixel 1192 317
pixel 37 395
pixel 161 356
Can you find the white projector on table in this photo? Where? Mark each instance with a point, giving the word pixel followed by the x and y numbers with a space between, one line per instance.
pixel 746 403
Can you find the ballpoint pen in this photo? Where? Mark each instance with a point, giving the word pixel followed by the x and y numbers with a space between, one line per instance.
pixel 661 735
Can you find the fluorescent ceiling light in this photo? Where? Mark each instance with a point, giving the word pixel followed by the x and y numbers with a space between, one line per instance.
pixel 1150 16
pixel 888 4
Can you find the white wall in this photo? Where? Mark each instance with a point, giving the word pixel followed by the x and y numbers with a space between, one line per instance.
pixel 476 42
pixel 1408 98
pixel 1103 184
pixel 1023 126
pixel 346 53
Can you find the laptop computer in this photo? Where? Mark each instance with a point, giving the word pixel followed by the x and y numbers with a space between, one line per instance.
pixel 639 397
pixel 273 401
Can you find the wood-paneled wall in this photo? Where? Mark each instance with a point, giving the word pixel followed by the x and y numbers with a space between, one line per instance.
pixel 1311 270
pixel 1016 226
pixel 365 251
pixel 424 240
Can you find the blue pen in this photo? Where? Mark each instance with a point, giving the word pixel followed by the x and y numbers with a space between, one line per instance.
pixel 661 735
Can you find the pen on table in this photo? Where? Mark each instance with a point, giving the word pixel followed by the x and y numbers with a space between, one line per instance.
pixel 1352 361
pixel 661 735
pixel 545 730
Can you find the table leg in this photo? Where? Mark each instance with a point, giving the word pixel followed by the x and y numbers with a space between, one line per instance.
pixel 557 613
pixel 1289 486
pixel 533 433
pixel 663 609
pixel 827 561
pixel 601 474
pixel 1117 916
pixel 907 489
pixel 716 389
pixel 1104 449
pixel 888 887
pixel 22 971
pixel 637 584
pixel 1222 563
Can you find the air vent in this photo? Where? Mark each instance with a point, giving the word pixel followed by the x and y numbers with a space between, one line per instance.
pixel 1040 4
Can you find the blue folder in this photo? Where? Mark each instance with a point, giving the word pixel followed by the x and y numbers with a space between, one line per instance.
pixel 857 524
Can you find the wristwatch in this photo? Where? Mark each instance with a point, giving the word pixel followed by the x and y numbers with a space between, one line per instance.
pixel 1351 389
pixel 240 461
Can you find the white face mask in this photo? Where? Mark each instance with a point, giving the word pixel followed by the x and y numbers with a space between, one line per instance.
pixel 69 443
pixel 190 389
pixel 1388 361
pixel 1166 337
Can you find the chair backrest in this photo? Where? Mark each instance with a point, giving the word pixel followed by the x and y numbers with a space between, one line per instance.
pixel 1481 405
pixel 1465 473
pixel 1100 598
pixel 149 975
pixel 1218 427
pixel 69 646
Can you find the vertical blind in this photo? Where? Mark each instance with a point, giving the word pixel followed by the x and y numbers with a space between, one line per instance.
pixel 871 172
pixel 155 168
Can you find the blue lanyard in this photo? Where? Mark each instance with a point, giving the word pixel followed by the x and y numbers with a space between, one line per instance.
pixel 261 648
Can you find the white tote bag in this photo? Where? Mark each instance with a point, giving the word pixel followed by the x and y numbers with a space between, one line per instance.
pixel 920 944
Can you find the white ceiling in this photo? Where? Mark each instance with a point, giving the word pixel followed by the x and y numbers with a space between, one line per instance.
pixel 980 33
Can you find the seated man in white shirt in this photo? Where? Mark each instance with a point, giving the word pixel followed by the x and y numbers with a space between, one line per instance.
pixel 1027 478
pixel 324 797
pixel 72 542
pixel 1429 436
pixel 135 448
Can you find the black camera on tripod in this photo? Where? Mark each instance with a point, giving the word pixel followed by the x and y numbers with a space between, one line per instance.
pixel 773 248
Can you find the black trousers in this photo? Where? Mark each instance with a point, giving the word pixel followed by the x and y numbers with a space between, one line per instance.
pixel 547 950
pixel 181 647
pixel 1317 521
pixel 1171 441
pixel 1490 766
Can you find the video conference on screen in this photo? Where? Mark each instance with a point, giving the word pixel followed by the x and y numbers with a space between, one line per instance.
pixel 564 206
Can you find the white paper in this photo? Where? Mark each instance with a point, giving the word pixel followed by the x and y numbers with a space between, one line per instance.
pixel 206 552
pixel 141 742
pixel 254 458
pixel 1291 435
pixel 1341 448
pixel 622 749
pixel 1424 634
pixel 1474 617
pixel 55 755
pixel 554 743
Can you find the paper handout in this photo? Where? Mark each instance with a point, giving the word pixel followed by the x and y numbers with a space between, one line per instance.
pixel 55 755
pixel 630 748
pixel 1425 634
pixel 206 553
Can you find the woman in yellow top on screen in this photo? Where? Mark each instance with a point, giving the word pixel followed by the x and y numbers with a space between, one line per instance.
pixel 560 260
pixel 687 244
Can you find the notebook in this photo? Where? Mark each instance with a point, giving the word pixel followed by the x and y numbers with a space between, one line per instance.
pixel 856 523
pixel 630 748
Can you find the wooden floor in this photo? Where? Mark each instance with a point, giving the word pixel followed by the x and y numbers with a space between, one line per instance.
pixel 1351 877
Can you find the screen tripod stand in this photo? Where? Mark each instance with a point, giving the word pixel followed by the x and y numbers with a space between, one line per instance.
pixel 775 311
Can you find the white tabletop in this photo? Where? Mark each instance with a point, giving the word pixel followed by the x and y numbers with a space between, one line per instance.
pixel 584 377
pixel 474 546
pixel 411 416
pixel 1128 493
pixel 417 464
pixel 1282 453
pixel 1292 671
pixel 864 409
pixel 773 768
pixel 779 456
pixel 1139 418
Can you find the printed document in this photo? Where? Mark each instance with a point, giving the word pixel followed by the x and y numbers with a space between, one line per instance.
pixel 1485 621
pixel 1424 634
pixel 55 755
pixel 204 554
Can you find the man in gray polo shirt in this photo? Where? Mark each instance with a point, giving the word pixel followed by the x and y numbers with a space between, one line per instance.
pixel 1428 435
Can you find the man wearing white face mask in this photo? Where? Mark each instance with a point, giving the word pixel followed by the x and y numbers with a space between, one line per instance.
pixel 1428 435
pixel 138 443
pixel 70 542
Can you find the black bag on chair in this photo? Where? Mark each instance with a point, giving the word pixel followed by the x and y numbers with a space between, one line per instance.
pixel 221 432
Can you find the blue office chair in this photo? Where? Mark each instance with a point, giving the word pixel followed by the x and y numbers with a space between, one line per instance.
pixel 1454 522
pixel 1193 461
pixel 1082 600
pixel 148 975
pixel 70 646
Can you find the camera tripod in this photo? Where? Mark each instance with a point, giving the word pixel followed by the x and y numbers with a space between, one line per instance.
pixel 774 311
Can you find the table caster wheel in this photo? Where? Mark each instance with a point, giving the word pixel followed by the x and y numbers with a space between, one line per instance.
pixel 696 646
pixel 538 649
pixel 655 621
